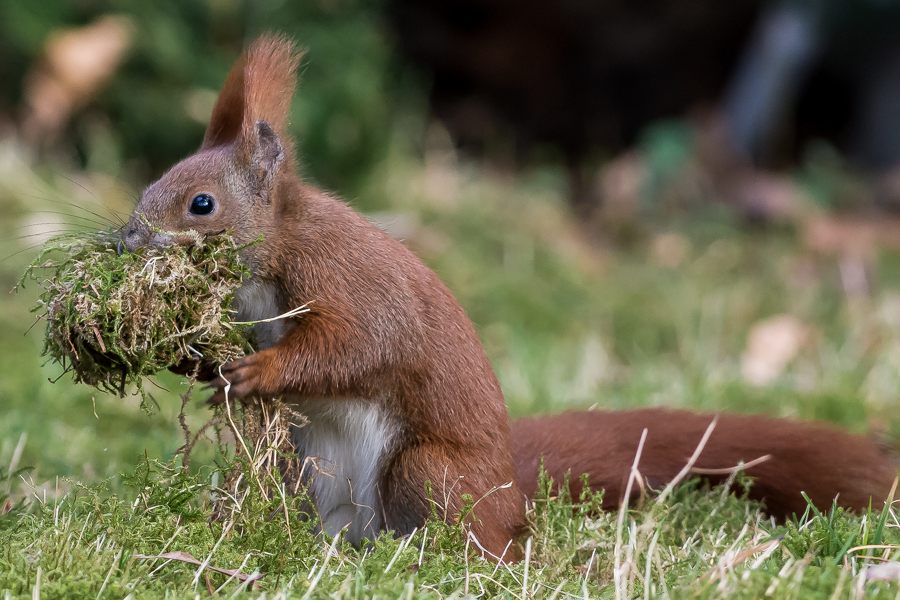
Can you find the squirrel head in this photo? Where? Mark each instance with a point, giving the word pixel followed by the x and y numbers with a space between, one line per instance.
pixel 230 184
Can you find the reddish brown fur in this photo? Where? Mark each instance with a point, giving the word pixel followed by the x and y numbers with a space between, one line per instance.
pixel 259 87
pixel 383 329
pixel 817 459
pixel 382 325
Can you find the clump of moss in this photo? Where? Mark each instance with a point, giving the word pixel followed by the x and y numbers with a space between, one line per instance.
pixel 115 317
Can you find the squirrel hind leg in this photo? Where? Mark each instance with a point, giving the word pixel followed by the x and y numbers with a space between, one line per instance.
pixel 497 518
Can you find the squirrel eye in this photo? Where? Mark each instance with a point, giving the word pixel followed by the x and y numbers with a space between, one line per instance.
pixel 202 204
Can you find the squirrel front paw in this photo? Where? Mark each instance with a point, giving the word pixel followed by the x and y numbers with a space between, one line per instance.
pixel 201 370
pixel 246 376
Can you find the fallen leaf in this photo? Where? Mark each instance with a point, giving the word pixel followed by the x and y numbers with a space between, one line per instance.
pixel 619 185
pixel 844 236
pixel 77 62
pixel 670 249
pixel 771 345
pixel 889 571
pixel 770 198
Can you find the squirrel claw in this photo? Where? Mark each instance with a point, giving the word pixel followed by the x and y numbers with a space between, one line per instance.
pixel 217 386
pixel 240 376
pixel 201 370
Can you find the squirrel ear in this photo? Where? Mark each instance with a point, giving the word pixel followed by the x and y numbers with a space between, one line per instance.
pixel 261 153
pixel 269 153
pixel 259 86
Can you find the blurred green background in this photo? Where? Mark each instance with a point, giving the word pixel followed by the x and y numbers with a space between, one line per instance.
pixel 153 111
pixel 669 295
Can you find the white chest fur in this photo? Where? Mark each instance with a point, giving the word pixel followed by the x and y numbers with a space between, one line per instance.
pixel 343 445
pixel 256 301
pixel 342 449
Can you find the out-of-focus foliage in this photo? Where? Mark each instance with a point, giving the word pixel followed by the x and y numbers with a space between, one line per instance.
pixel 154 110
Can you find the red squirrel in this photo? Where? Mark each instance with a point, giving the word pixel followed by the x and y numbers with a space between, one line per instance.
pixel 390 371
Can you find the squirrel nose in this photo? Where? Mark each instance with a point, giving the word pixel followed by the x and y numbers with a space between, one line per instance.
pixel 131 240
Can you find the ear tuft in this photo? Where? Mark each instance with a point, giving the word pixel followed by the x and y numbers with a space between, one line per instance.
pixel 258 88
pixel 228 111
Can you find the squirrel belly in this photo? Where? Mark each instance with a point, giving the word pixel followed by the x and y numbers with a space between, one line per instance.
pixel 342 447
pixel 342 452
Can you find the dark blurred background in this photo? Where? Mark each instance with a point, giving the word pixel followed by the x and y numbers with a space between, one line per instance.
pixel 127 86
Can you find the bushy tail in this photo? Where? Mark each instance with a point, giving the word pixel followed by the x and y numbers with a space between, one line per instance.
pixel 820 460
